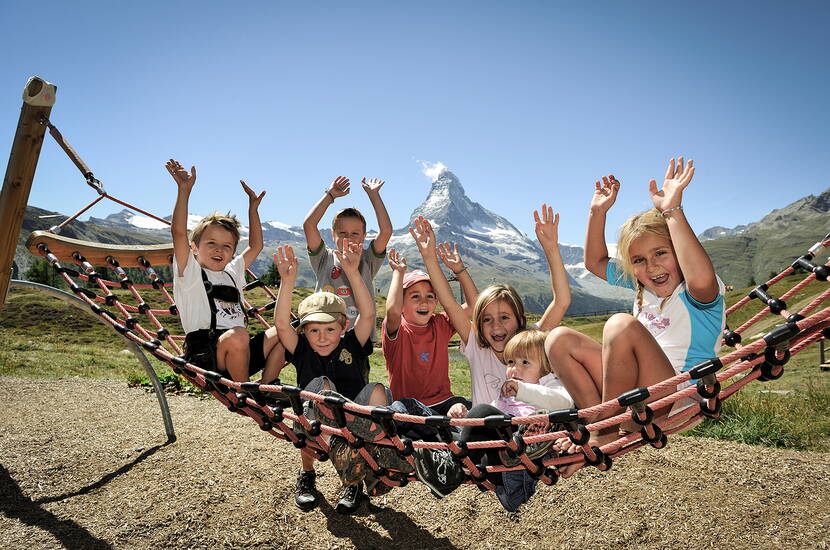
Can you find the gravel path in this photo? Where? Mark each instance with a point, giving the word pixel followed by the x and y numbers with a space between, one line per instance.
pixel 83 464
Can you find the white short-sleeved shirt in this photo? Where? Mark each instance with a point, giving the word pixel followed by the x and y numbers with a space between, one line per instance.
pixel 688 331
pixel 192 301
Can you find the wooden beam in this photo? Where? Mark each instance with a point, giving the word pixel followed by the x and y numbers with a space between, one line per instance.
pixel 38 98
pixel 97 253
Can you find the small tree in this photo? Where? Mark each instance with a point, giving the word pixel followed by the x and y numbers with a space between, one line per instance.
pixel 271 277
pixel 41 272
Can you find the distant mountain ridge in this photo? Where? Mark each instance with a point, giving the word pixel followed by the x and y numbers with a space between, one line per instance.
pixel 494 249
pixel 750 254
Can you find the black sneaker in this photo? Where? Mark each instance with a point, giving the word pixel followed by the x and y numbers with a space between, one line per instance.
pixel 305 495
pixel 350 500
pixel 533 450
pixel 437 469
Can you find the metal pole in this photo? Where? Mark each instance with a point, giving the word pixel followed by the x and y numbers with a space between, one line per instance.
pixel 73 300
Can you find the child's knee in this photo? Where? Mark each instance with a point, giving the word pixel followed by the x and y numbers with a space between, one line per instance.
pixel 234 340
pixel 559 340
pixel 619 324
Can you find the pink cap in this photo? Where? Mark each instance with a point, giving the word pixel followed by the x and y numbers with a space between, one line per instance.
pixel 414 277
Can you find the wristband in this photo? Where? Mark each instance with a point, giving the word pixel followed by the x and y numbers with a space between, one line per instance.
pixel 330 195
pixel 665 213
pixel 457 273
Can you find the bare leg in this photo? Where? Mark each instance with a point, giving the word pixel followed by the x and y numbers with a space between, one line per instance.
pixel 233 354
pixel 577 360
pixel 274 354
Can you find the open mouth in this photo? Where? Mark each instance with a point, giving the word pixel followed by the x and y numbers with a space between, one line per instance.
pixel 660 279
pixel 498 337
pixel 422 312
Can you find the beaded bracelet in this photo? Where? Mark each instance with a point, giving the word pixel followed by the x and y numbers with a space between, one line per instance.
pixel 665 213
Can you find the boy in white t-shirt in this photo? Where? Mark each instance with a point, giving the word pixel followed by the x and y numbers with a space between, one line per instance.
pixel 207 287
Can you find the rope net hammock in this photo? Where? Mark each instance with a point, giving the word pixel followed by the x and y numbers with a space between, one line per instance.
pixel 278 408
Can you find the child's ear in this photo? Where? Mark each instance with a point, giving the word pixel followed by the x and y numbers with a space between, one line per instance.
pixel 346 326
pixel 194 247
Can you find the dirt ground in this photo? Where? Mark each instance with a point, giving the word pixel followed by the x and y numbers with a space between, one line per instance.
pixel 84 464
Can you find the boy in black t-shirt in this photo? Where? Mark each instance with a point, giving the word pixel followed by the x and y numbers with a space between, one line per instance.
pixel 327 354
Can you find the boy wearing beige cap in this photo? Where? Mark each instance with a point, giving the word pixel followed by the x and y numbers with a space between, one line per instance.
pixel 327 353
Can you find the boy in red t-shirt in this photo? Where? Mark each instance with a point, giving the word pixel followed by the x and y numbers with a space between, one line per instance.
pixel 416 339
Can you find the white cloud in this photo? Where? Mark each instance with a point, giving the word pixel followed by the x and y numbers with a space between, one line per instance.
pixel 432 170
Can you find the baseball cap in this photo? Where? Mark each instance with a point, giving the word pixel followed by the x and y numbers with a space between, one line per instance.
pixel 414 277
pixel 321 307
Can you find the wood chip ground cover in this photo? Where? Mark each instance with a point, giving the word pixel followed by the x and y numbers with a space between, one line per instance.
pixel 83 464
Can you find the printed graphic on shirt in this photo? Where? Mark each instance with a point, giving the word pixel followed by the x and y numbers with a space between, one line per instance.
pixel 656 322
pixel 351 312
pixel 423 357
pixel 346 356
pixel 227 310
pixel 343 291
pixel 327 288
pixel 335 272
pixel 492 381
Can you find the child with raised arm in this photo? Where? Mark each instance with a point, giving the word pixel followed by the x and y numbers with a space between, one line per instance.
pixel 328 354
pixel 498 314
pixel 416 339
pixel 678 315
pixel 207 288
pixel 347 224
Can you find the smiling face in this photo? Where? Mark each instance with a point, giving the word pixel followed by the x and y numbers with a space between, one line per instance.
pixel 498 324
pixel 419 303
pixel 324 337
pixel 654 263
pixel 351 229
pixel 215 248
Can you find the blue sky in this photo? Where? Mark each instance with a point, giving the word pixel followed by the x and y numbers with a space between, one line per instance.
pixel 524 101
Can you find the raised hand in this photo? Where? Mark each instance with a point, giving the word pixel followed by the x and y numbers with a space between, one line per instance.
pixel 397 262
pixel 605 194
pixel 349 255
pixel 339 187
pixel 253 198
pixel 183 179
pixel 372 186
pixel 286 263
pixel 451 258
pixel 678 176
pixel 424 236
pixel 547 226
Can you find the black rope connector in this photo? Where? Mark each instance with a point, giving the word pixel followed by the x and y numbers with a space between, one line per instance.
pixel 408 448
pixel 85 291
pixel 110 299
pixel 781 334
pixel 564 416
pixel 251 311
pixel 178 363
pixel 713 412
pixel 315 428
pixel 649 416
pixel 293 393
pixel 658 436
pixel 498 420
pixel 582 438
pixel 336 405
pixel 278 414
pixel 68 271
pixel 703 391
pixel 705 368
pixel 775 305
pixel 794 318
pixel 126 283
pixel 460 451
pixel 131 322
pixel 771 357
pixel 820 271
pixel 358 442
pixel 633 396
pixel 173 309
pixel 731 338
pixel 143 308
pixel 158 284
pixel 437 421
pixel 769 371
pixel 142 261
pixel 383 416
pixel 301 440
pixel 162 333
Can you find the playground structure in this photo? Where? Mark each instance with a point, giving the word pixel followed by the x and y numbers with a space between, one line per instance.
pixel 273 406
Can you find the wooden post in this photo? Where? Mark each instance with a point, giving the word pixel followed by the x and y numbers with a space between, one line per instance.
pixel 38 98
